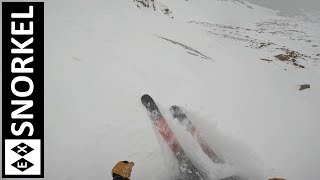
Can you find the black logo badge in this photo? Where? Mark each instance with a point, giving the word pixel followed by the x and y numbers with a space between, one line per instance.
pixel 22 164
pixel 22 149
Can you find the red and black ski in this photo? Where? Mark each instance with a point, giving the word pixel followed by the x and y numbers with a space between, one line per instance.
pixel 178 114
pixel 187 170
pixel 186 123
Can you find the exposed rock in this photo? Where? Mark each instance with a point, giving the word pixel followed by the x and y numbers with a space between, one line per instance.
pixel 264 45
pixel 265 59
pixel 155 5
pixel 283 57
pixel 304 86
pixel 280 28
pixel 145 3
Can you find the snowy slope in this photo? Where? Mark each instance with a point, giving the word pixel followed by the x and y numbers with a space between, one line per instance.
pixel 101 56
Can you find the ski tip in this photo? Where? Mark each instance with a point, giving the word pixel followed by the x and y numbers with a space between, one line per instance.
pixel 145 99
pixel 175 109
pixel 146 96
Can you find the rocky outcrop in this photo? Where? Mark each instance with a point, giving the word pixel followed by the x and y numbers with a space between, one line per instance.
pixel 155 5
pixel 304 86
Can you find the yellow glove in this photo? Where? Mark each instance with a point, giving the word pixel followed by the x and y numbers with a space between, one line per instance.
pixel 123 169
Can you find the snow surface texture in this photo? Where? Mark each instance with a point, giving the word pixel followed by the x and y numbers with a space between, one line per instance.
pixel 216 59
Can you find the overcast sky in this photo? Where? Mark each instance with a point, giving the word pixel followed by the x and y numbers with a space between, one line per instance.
pixel 290 6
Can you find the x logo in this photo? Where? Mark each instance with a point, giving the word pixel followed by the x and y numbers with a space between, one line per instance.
pixel 22 149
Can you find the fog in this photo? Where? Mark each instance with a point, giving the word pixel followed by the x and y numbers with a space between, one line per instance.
pixel 291 6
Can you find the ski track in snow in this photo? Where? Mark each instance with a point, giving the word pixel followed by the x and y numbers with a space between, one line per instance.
pixel 102 55
pixel 193 51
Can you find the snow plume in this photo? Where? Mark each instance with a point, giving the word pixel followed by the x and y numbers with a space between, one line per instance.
pixel 238 159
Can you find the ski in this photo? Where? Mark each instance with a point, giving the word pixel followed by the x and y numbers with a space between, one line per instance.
pixel 178 114
pixel 187 170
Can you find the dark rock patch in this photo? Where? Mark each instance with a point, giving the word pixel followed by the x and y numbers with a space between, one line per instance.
pixel 304 86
